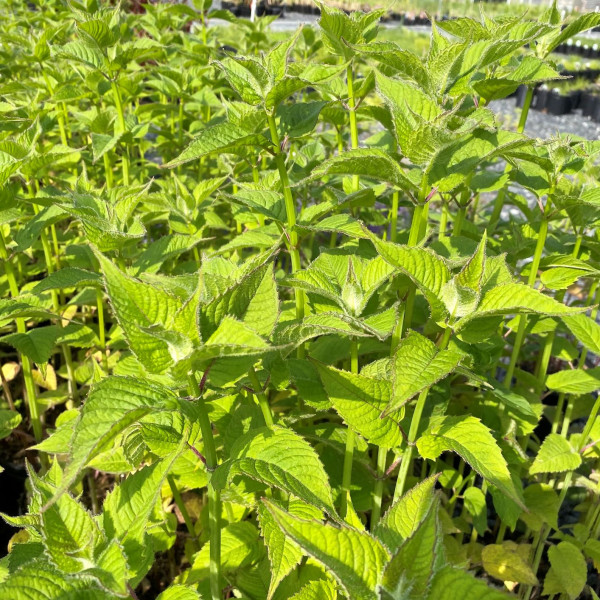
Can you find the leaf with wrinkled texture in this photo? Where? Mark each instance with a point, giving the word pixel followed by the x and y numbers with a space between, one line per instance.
pixel 354 558
pixel 281 458
pixel 474 442
pixel 360 401
pixel 418 364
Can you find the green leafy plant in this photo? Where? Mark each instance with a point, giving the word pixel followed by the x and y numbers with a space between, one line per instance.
pixel 294 318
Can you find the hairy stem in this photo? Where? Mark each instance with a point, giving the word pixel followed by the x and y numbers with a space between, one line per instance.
pixel 382 454
pixel 122 129
pixel 394 217
pixel 214 496
pixel 261 397
pixel 290 210
pixel 353 124
pixel 414 429
pixel 349 451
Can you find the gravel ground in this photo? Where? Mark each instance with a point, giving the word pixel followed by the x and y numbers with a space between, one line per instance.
pixel 542 125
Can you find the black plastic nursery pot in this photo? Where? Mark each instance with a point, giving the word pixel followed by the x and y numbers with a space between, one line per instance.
pixel 521 93
pixel 558 104
pixel 575 99
pixel 539 99
pixel 588 103
pixel 596 112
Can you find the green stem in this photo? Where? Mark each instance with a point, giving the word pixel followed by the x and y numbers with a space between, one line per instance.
pixel 56 305
pixel 353 124
pixel 522 319
pixel 443 221
pixel 349 451
pixel 59 113
pixel 410 448
pixel 544 361
pixel 256 179
pixel 183 510
pixel 108 174
pixel 214 497
pixel 261 397
pixel 499 202
pixel 290 210
pixel 394 217
pixel 458 221
pixel 423 223
pixel 559 410
pixel 525 110
pixel 181 122
pixel 414 429
pixel 122 129
pixel 34 413
pixel 414 236
pixel 382 454
pixel 203 20
pixel 101 328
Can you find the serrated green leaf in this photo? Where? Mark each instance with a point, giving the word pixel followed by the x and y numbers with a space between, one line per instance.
pixel 86 54
pixel 179 592
pixel 517 298
pixel 39 580
pixel 232 338
pixel 284 553
pixel 299 119
pixel 574 381
pixel 360 401
pixel 468 436
pixel 102 143
pixel 69 533
pixel 224 137
pixel 586 330
pixel 370 163
pixel 36 344
pixel 418 558
pixel 297 332
pixel 577 25
pixel 138 307
pixel 425 268
pixel 281 458
pixel 250 297
pixel 127 510
pixel 112 406
pixel 418 364
pixel 320 589
pixel 66 278
pixel 404 516
pixel 353 557
pixel 555 455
